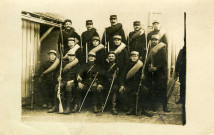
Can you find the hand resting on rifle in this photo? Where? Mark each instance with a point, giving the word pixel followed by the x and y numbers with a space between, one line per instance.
pixel 80 85
pixel 122 89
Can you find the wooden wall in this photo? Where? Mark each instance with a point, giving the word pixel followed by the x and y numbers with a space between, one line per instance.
pixel 30 53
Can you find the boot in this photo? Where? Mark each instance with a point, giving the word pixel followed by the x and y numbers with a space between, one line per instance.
pixel 68 103
pixel 95 109
pixel 165 109
pixel 146 113
pixel 55 108
pixel 114 111
pixel 75 109
pixel 101 108
pixel 130 112
pixel 49 105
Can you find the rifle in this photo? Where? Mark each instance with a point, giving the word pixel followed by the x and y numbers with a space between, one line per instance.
pixel 128 44
pixel 88 91
pixel 109 90
pixel 86 52
pixel 105 39
pixel 81 45
pixel 32 79
pixel 60 73
pixel 141 80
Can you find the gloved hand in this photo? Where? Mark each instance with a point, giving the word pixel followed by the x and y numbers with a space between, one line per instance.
pixel 59 79
pixel 99 88
pixel 142 76
pixel 80 85
pixel 122 89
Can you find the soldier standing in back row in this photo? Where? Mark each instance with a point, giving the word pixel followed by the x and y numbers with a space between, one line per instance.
pixel 158 31
pixel 67 32
pixel 114 29
pixel 137 40
pixel 87 38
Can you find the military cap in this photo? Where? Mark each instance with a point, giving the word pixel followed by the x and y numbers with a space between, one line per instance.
pixel 52 51
pixel 88 22
pixel 71 39
pixel 112 52
pixel 155 21
pixel 67 20
pixel 117 37
pixel 96 38
pixel 134 53
pixel 113 16
pixel 71 53
pixel 92 54
pixel 155 37
pixel 136 23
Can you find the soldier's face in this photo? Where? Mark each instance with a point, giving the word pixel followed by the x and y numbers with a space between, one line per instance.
pixel 117 41
pixel 111 57
pixel 95 42
pixel 113 21
pixel 156 26
pixel 89 26
pixel 71 58
pixel 68 25
pixel 91 58
pixel 71 44
pixel 52 56
pixel 137 27
pixel 154 41
pixel 134 58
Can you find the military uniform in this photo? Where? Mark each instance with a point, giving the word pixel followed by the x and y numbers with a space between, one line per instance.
pixel 87 38
pixel 157 80
pixel 66 34
pixel 180 71
pixel 68 84
pixel 48 79
pixel 111 31
pixel 111 69
pixel 161 33
pixel 86 75
pixel 137 42
pixel 76 49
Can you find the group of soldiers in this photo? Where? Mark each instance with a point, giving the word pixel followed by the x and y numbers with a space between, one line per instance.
pixel 131 72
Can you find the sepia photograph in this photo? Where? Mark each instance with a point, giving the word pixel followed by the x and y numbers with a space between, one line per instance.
pixel 114 68
pixel 106 67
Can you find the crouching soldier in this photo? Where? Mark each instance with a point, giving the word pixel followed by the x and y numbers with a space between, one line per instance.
pixel 47 78
pixel 112 72
pixel 88 74
pixel 68 82
pixel 133 77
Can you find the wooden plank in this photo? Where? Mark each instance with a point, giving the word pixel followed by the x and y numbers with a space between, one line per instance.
pixel 23 57
pixel 46 33
pixel 32 34
pixel 28 59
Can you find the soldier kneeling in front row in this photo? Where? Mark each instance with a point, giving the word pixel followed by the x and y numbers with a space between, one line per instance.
pixel 90 74
pixel 68 82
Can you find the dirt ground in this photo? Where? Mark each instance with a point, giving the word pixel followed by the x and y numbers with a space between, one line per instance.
pixel 174 117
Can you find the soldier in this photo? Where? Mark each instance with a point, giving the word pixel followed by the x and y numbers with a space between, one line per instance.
pixel 112 71
pixel 68 82
pixel 47 78
pixel 137 40
pixel 67 32
pixel 75 48
pixel 158 31
pixel 156 72
pixel 122 60
pixel 99 50
pixel 86 75
pixel 133 77
pixel 180 71
pixel 114 29
pixel 87 38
